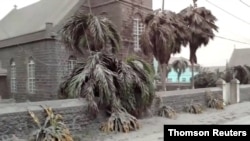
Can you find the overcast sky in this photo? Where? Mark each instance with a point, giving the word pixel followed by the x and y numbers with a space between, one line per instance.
pixel 235 26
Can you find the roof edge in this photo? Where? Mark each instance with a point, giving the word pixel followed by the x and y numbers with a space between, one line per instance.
pixel 6 15
pixel 31 37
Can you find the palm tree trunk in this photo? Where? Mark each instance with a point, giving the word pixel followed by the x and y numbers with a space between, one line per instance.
pixel 163 72
pixel 179 85
pixel 192 80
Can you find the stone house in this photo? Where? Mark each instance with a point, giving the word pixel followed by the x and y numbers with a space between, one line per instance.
pixel 240 57
pixel 30 48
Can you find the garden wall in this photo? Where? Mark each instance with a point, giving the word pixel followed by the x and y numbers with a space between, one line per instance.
pixel 244 93
pixel 174 86
pixel 14 118
pixel 179 98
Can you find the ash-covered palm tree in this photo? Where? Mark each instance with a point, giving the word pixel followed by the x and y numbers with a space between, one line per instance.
pixel 89 32
pixel 119 86
pixel 125 89
pixel 201 23
pixel 179 67
pixel 164 34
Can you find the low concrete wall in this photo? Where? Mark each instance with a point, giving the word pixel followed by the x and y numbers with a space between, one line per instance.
pixel 14 118
pixel 244 93
pixel 178 99
pixel 174 86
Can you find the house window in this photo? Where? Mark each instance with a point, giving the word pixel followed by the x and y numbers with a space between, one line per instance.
pixel 13 87
pixel 138 28
pixel 71 63
pixel 183 79
pixel 31 76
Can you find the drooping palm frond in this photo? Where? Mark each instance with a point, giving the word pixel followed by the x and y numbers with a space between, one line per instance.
pixel 86 31
pixel 109 79
pixel 201 23
pixel 164 34
pixel 120 121
pixel 142 84
pixel 144 65
pixel 52 129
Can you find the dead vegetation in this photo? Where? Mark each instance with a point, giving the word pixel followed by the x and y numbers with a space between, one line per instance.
pixel 120 121
pixel 194 108
pixel 167 111
pixel 215 102
pixel 52 129
pixel 164 110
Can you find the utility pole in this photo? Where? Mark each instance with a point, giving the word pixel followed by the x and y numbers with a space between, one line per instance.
pixel 163 3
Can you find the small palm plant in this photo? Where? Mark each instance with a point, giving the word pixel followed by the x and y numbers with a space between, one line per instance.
pixel 53 129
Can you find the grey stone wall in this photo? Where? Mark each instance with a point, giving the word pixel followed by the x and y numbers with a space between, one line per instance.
pixel 178 99
pixel 244 93
pixel 16 120
pixel 175 86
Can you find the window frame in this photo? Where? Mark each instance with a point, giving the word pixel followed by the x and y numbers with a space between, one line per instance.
pixel 31 76
pixel 138 28
pixel 13 84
